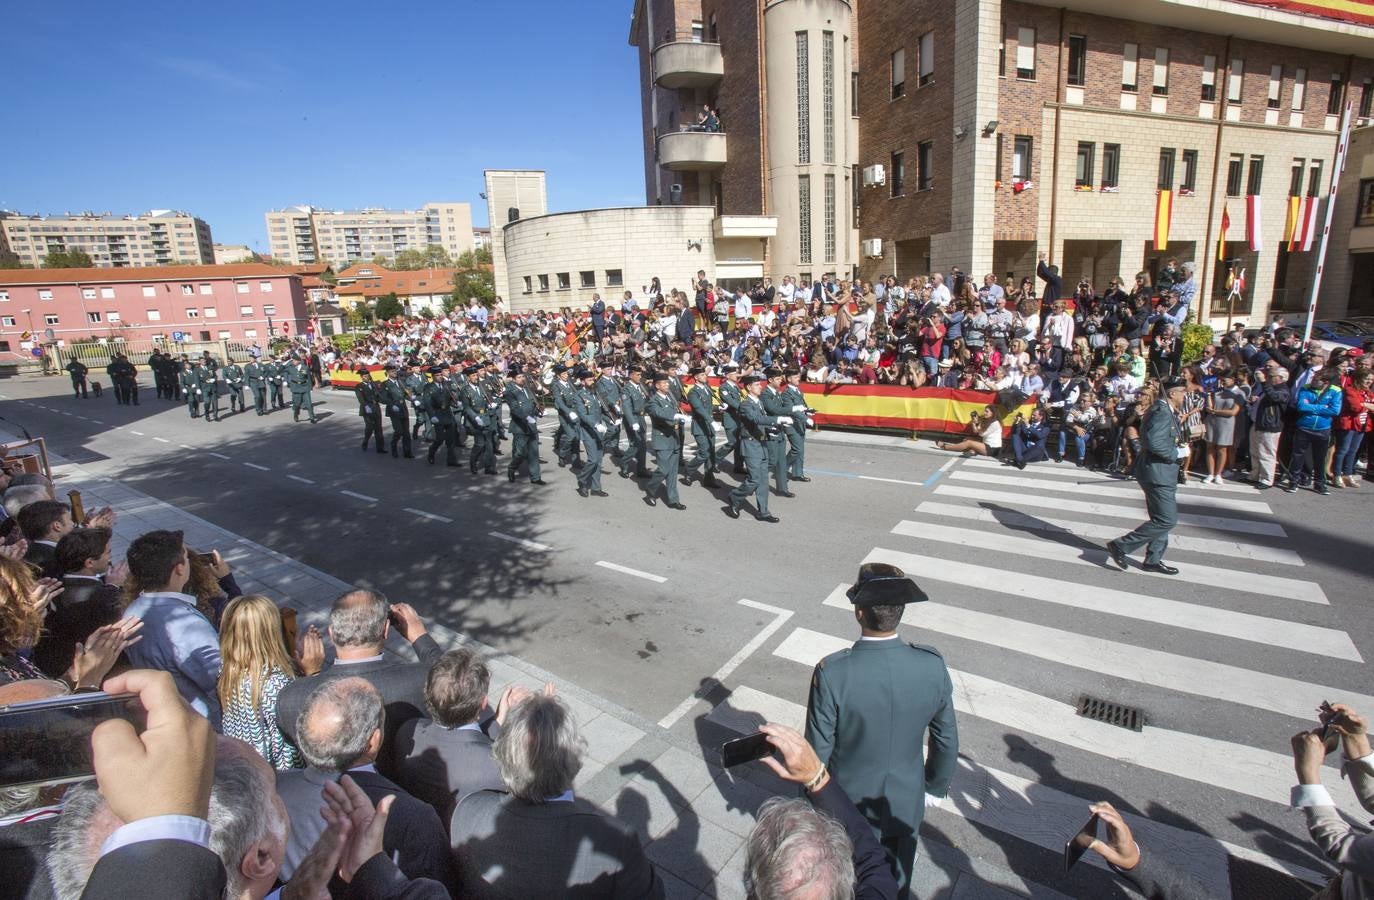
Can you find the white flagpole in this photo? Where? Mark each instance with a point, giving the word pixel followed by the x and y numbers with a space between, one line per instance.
pixel 1336 169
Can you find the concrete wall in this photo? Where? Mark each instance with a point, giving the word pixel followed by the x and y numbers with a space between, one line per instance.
pixel 507 189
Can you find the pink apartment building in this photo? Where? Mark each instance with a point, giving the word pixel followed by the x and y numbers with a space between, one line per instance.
pixel 247 302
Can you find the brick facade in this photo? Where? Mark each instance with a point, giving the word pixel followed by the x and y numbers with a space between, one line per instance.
pixel 743 179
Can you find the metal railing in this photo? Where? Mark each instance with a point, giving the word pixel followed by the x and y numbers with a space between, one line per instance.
pixel 98 355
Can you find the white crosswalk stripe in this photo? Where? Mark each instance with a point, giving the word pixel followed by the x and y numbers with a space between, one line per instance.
pixel 1102 479
pixel 1186 498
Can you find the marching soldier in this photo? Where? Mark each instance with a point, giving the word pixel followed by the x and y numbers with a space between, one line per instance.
pixel 208 383
pixel 632 401
pixel 124 379
pixel 524 427
pixel 703 426
pixel 676 389
pixel 775 405
pixel 155 365
pixel 78 370
pixel 730 399
pixel 298 379
pixel 594 431
pixel 457 385
pixel 275 370
pixel 188 380
pixel 477 414
pixel 233 380
pixel 754 427
pixel 869 708
pixel 415 384
pixel 608 396
pixel 369 407
pixel 255 374
pixel 665 420
pixel 566 442
pixel 392 394
pixel 493 386
pixel 438 402
pixel 796 435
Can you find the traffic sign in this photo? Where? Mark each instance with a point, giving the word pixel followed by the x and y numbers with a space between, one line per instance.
pixel 179 336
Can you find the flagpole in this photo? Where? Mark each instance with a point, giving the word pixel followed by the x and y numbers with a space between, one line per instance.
pixel 1336 169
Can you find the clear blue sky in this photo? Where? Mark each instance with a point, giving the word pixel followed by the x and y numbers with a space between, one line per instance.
pixel 228 110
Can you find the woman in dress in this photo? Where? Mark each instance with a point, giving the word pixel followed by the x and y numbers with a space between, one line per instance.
pixel 1223 405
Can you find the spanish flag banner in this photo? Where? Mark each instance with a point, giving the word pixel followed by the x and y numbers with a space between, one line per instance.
pixel 1291 223
pixel 1221 238
pixel 1307 227
pixel 1253 214
pixel 1164 210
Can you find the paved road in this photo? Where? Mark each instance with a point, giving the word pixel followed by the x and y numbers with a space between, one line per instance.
pixel 707 624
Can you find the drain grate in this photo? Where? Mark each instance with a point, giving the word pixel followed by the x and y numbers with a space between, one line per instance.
pixel 1111 713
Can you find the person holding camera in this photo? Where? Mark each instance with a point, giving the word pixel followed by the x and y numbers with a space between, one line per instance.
pixel 1352 851
pixel 988 429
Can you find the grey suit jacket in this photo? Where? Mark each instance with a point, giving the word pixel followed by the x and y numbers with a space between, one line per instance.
pixel 441 765
pixel 508 848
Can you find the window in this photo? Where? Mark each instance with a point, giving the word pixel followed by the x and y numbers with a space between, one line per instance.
pixel 1235 80
pixel 1209 79
pixel 897 71
pixel 1025 52
pixel 265 287
pixel 1275 87
pixel 828 96
pixel 1295 178
pixel 1299 88
pixel 615 278
pixel 222 335
pixel 269 310
pixel 241 287
pixel 696 31
pixel 998 162
pixel 211 312
pixel 1111 165
pixel 829 219
pixel 1189 183
pixel 88 293
pixel 111 315
pixel 1021 157
pixel 245 310
pixel 804 218
pixel 529 284
pixel 192 313
pixel 44 293
pixel 1078 60
pixel 564 281
pixel 1333 100
pixel 897 175
pixel 107 293
pixel 543 284
pixel 93 318
pixel 1166 169
pixel 803 99
pixel 925 165
pixel 7 321
pixel 207 289
pixel 50 319
pixel 250 334
pixel 854 94
pixel 1314 179
pixel 1161 81
pixel 1002 53
pixel 925 59
pixel 186 290
pixel 1364 212
pixel 1235 169
pixel 1130 63
pixel 1366 97
pixel 1256 178
pixel 1083 169
pixel 4 296
pixel 149 291
pixel 587 279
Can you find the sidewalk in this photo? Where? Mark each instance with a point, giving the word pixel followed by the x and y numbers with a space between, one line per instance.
pixel 693 816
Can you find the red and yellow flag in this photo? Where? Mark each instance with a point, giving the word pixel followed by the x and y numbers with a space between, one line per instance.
pixel 1221 238
pixel 1164 210
pixel 1292 222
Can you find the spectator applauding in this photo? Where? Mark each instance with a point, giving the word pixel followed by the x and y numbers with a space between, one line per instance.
pixel 91 597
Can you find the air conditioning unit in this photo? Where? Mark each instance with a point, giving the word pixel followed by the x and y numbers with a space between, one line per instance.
pixel 872 248
pixel 874 175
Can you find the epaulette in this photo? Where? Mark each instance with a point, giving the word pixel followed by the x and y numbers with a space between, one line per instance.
pixel 845 652
pixel 926 648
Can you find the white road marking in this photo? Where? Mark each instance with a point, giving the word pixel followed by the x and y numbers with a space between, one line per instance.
pixel 1171 671
pixel 1209 620
pixel 1088 476
pixel 359 496
pixel 186 446
pixel 1232 579
pixel 1043 501
pixel 162 440
pixel 300 479
pixel 425 515
pixel 139 433
pixel 213 453
pixel 530 545
pixel 258 467
pixel 1013 520
pixel 888 480
pixel 780 617
pixel 1187 498
pixel 615 567
pixel 97 421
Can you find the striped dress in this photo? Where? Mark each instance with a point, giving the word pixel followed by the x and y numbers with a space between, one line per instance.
pixel 259 726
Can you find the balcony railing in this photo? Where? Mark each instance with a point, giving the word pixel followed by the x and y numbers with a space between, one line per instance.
pixel 688 64
pixel 692 151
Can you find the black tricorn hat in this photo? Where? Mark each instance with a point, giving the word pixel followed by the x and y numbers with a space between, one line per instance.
pixel 882 584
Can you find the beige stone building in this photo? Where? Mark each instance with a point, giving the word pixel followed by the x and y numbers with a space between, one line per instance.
pixel 160 237
pixel 232 253
pixel 302 235
pixel 1348 276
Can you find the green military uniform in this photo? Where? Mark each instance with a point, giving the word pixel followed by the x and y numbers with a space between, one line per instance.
pixel 666 442
pixel 477 415
pixel 493 385
pixel 78 370
pixel 730 399
pixel 233 379
pixel 703 428
pixel 567 442
pixel 254 373
pixel 632 402
pixel 608 397
pixel 370 408
pixel 298 380
pixel 189 380
pixel 776 406
pixel 124 378
pixel 594 431
pixel 209 386
pixel 415 384
pixel 456 387
pixel 392 395
pixel 276 378
pixel 796 435
pixel 524 429
pixel 870 707
pixel 754 428
pixel 1156 470
pixel 438 402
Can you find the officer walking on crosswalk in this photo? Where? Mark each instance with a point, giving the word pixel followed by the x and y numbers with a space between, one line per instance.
pixel 1156 470
pixel 754 428
pixel 392 395
pixel 524 427
pixel 370 408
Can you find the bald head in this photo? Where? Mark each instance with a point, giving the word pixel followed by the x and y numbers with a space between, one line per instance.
pixel 341 725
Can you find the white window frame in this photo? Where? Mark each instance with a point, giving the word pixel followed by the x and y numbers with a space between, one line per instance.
pixel 192 312
pixel 4 296
pixel 50 319
pixel 269 309
pixel 1209 75
pixel 245 310
pixel 210 312
pixel 154 315
pixel 1025 52
pixel 149 291
pixel 1159 84
pixel 92 318
pixel 187 290
pixel 1275 86
pixel 241 287
pixel 112 315
pixel 1299 89
pixel 265 287
pixel 207 289
pixel 223 335
pixel 250 334
pixel 45 293
pixel 1235 82
pixel 107 293
pixel 88 293
pixel 7 321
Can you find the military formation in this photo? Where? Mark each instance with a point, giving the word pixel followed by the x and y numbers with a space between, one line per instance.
pixel 209 390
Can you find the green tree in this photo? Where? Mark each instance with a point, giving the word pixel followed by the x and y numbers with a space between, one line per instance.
pixel 432 257
pixel 67 259
pixel 389 307
pixel 359 315
pixel 380 260
pixel 10 260
pixel 474 278
pixel 426 313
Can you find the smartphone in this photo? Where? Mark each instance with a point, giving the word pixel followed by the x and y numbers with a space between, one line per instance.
pixel 1076 846
pixel 745 749
pixel 49 741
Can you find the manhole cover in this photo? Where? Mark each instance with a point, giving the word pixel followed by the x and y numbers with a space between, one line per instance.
pixel 1111 713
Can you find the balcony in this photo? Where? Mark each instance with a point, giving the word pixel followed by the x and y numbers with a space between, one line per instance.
pixel 687 64
pixel 691 151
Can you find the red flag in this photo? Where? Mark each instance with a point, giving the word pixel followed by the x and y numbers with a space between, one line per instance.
pixel 1308 228
pixel 1253 214
pixel 1221 239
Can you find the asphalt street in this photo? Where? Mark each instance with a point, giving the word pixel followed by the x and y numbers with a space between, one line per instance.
pixel 707 624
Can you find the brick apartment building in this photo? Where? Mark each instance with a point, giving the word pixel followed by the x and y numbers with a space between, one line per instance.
pixel 992 131
pixel 160 237
pixel 244 302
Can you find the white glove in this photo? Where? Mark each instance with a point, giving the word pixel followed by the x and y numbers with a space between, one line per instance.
pixel 784 420
pixel 634 428
pixel 481 421
pixel 434 419
pixel 810 422
pixel 600 429
pixel 800 407
pixel 573 416
pixel 197 390
pixel 532 420
pixel 368 410
pixel 683 418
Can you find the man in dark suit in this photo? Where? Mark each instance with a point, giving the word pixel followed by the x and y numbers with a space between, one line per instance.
pixel 446 757
pixel 1030 440
pixel 539 840
pixel 341 732
pixel 43 524
pixel 91 597
pixel 359 624
pixel 598 317
pixel 1054 284
pixel 686 324
pixel 870 707
pixel 1156 470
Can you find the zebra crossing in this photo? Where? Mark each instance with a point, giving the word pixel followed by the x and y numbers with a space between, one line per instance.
pixel 1227 659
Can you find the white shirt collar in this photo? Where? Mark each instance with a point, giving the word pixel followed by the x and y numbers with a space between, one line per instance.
pixel 354 662
pixel 90 577
pixel 866 637
pixel 170 595
pixel 46 543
